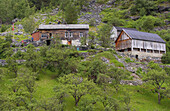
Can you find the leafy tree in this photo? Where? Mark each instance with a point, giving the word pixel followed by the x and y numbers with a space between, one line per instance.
pixel 95 68
pixel 61 60
pixel 77 86
pixel 91 39
pixel 143 7
pixel 104 34
pixel 166 58
pixel 5 50
pixel 127 101
pixel 29 24
pixel 51 104
pixel 12 65
pixel 157 77
pixel 33 59
pixel 147 23
pixel 71 14
pixel 116 75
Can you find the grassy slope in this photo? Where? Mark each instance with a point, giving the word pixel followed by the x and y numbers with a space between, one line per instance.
pixel 141 99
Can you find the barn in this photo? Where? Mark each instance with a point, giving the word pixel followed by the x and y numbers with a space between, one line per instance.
pixel 140 44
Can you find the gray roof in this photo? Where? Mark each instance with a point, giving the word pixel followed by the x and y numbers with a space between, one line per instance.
pixel 143 36
pixel 121 28
pixel 64 26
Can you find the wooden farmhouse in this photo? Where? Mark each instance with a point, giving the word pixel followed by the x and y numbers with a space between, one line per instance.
pixel 70 34
pixel 117 30
pixel 140 44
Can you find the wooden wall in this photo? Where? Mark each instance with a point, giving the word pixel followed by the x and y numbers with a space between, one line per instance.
pixel 61 33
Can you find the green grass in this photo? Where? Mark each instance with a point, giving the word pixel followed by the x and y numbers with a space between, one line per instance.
pixel 142 99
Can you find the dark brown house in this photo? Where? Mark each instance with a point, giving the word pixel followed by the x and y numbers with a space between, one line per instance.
pixel 70 34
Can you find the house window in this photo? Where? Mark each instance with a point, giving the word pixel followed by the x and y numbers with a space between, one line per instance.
pixel 71 34
pixel 66 34
pixel 44 35
pixel 81 34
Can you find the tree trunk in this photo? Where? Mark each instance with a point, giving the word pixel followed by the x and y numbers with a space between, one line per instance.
pixel 159 97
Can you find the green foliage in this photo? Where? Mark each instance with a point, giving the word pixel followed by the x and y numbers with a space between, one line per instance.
pixel 104 34
pixel 147 23
pixel 12 65
pixel 143 7
pixel 4 27
pixel 5 50
pixel 128 60
pixel 113 16
pixel 157 77
pixel 33 59
pixel 166 58
pixel 71 14
pixel 15 9
pixel 77 86
pixel 29 24
pixel 91 39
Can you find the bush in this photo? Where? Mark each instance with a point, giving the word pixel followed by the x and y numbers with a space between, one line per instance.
pixel 128 60
pixel 166 58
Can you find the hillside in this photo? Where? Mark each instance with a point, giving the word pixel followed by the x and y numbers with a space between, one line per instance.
pixel 63 78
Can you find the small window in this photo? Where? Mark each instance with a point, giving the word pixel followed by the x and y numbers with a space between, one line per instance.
pixel 66 34
pixel 71 34
pixel 44 35
pixel 81 34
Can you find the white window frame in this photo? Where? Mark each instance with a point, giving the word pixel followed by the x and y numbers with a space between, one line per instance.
pixel 81 34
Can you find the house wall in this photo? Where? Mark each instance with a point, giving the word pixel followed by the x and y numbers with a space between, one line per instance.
pixel 74 37
pixel 114 34
pixel 36 36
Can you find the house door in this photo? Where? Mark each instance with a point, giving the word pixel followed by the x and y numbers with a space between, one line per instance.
pixel 69 42
pixel 48 42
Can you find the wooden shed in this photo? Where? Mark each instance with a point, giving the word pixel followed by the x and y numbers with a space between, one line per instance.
pixel 140 44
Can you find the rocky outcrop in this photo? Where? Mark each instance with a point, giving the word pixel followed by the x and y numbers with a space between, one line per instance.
pixel 131 82
pixel 94 11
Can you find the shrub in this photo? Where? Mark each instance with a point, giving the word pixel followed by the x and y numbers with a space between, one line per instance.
pixel 166 58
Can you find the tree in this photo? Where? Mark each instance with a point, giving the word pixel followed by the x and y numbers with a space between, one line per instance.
pixel 20 96
pixel 95 68
pixel 5 49
pixel 116 76
pixel 147 23
pixel 12 65
pixel 29 24
pixel 61 60
pixel 71 14
pixel 91 39
pixel 157 77
pixel 166 58
pixel 33 59
pixel 77 86
pixel 104 34
pixel 143 7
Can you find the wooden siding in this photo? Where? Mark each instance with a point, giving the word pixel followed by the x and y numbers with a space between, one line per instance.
pixel 36 36
pixel 123 41
pixel 61 33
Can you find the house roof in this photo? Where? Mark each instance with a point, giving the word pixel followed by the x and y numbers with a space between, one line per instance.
pixel 64 26
pixel 121 28
pixel 143 36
